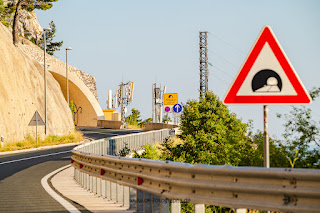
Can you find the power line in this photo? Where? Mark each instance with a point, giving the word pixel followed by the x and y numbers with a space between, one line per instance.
pixel 223 58
pixel 227 43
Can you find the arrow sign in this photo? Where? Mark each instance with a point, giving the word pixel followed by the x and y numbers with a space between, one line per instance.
pixel 177 108
pixel 267 77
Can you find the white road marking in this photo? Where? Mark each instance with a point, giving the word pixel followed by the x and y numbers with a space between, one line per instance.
pixel 29 158
pixel 44 182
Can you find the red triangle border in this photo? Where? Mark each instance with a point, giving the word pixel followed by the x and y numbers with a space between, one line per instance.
pixel 302 96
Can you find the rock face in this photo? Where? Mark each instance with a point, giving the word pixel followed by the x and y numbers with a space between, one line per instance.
pixel 36 53
pixel 28 26
pixel 22 93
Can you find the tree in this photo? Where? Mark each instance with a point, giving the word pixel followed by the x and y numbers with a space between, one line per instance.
pixel 52 46
pixel 166 119
pixel 6 12
pixel 28 5
pixel 134 118
pixel 301 135
pixel 211 134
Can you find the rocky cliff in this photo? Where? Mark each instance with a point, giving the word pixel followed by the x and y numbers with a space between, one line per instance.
pixel 22 93
pixel 29 27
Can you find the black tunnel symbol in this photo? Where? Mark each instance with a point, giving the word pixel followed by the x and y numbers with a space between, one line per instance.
pixel 266 81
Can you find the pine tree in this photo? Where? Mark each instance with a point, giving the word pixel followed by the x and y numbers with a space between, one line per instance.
pixel 28 5
pixel 52 46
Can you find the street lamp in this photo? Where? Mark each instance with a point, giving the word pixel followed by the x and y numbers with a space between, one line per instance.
pixel 45 78
pixel 68 48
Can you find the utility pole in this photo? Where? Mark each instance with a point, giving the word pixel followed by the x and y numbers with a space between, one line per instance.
pixel 203 63
pixel 157 103
pixel 125 97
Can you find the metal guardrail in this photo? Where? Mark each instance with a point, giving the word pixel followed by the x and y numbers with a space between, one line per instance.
pixel 276 189
pixel 113 145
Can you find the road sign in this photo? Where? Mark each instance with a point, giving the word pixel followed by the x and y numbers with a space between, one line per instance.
pixel 177 108
pixel 36 120
pixel 267 77
pixel 176 115
pixel 167 109
pixel 170 98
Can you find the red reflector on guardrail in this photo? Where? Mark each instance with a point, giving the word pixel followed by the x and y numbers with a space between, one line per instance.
pixel 139 180
pixel 72 160
pixel 102 172
pixel 80 165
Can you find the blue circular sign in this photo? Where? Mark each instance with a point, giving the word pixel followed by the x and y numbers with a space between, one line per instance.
pixel 177 108
pixel 167 109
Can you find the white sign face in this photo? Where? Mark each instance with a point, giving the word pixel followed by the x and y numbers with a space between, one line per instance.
pixel 266 77
pixel 176 115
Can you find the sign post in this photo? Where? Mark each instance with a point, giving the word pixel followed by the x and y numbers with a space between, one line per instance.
pixel 267 77
pixel 35 121
pixel 266 151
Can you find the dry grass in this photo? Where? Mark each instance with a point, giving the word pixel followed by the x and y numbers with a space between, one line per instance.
pixel 129 126
pixel 30 142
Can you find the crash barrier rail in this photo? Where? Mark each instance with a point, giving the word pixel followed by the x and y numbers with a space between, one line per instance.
pixel 276 189
pixel 113 145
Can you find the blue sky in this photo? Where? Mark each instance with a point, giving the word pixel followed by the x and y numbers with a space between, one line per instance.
pixel 158 41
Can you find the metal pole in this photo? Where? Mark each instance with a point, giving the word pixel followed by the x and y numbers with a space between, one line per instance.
pixel 36 128
pixel 266 153
pixel 45 83
pixel 67 76
pixel 122 107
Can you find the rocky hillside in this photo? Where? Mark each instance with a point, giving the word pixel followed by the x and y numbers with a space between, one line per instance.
pixel 28 26
pixel 22 93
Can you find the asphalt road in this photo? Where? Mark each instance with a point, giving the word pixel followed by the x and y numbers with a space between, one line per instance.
pixel 21 174
pixel 97 133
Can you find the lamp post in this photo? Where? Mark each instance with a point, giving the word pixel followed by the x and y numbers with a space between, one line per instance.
pixel 68 48
pixel 45 78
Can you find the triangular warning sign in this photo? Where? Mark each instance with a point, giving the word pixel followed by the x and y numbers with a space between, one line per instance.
pixel 267 77
pixel 36 120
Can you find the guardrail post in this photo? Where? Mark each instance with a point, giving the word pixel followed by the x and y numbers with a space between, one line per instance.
pixel 87 177
pixel 99 186
pixel 113 191
pixel 164 205
pixel 160 204
pixel 94 185
pixel 175 206
pixel 108 190
pixel 140 201
pixel 147 205
pixel 155 203
pixel 133 199
pixel 199 208
pixel 119 193
pixel 103 189
pixel 90 183
pixel 126 196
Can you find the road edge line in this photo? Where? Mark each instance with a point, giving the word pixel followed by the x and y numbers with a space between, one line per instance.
pixel 44 182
